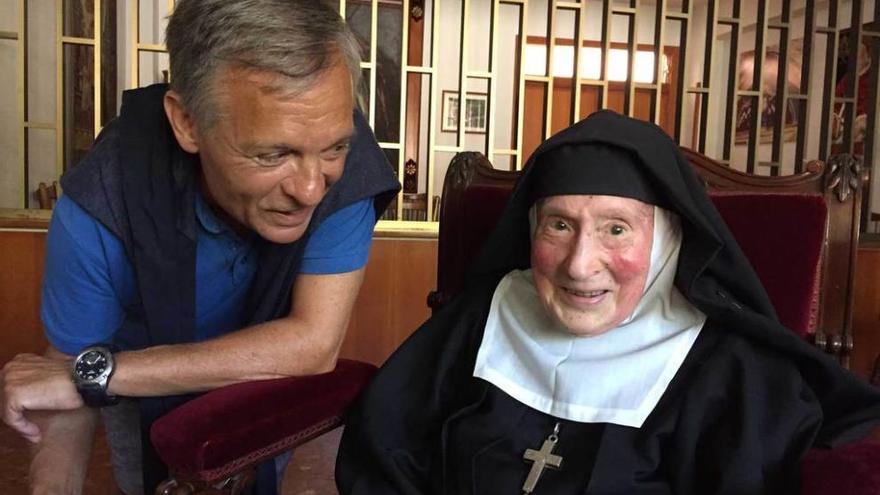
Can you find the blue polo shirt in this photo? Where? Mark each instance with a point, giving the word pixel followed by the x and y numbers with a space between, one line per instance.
pixel 89 284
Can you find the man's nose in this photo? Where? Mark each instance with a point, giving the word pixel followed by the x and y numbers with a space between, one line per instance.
pixel 306 182
pixel 584 259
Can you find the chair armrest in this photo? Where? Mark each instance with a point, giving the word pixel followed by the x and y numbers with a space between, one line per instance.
pixel 853 469
pixel 229 429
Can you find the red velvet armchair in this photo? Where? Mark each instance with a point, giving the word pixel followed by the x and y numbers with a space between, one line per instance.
pixel 212 444
pixel 806 265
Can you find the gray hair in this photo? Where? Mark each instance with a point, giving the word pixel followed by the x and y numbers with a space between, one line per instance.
pixel 297 39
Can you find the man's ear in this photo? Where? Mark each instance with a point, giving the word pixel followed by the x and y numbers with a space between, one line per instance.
pixel 182 122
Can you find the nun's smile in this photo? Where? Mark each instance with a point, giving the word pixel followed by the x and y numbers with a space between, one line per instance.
pixel 590 259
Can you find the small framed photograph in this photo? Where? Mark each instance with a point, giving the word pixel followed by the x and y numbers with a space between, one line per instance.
pixel 475 114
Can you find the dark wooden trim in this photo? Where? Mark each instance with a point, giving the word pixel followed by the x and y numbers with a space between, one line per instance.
pixel 414 89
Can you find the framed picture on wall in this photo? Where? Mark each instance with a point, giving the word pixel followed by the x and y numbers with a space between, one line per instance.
pixel 475 112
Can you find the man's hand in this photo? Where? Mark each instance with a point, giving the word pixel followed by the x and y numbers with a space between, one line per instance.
pixel 31 383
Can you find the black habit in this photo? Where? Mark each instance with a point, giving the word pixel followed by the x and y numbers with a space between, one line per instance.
pixel 745 406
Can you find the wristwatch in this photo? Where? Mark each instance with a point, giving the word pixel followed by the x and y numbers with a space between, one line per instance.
pixel 92 370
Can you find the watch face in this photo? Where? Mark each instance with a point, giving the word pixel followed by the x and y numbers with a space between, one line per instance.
pixel 91 365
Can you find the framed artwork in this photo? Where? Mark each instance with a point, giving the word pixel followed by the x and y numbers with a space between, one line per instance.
pixel 744 105
pixel 475 112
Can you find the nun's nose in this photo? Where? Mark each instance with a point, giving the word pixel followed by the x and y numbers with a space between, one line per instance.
pixel 585 259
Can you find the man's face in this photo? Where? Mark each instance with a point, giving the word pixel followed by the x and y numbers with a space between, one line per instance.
pixel 590 259
pixel 270 157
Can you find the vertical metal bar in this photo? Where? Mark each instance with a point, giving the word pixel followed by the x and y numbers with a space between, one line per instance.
pixel 59 88
pixel 757 85
pixel 435 61
pixel 682 65
pixel 521 84
pixel 659 34
pixel 779 119
pixel 342 8
pixel 804 118
pixel 96 59
pixel 22 95
pixel 576 66
pixel 711 27
pixel 729 127
pixel 629 85
pixel 135 41
pixel 551 79
pixel 374 22
pixel 829 83
pixel 492 83
pixel 606 50
pixel 404 86
pixel 463 47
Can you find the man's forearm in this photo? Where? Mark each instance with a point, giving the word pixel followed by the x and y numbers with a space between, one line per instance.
pixel 60 460
pixel 274 349
pixel 305 342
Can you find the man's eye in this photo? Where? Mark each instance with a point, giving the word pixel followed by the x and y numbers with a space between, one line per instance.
pixel 617 229
pixel 271 159
pixel 338 151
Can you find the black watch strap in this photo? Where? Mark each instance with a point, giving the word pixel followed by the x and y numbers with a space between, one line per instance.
pixel 95 396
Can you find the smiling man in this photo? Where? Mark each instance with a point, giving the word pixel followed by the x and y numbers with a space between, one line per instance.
pixel 215 234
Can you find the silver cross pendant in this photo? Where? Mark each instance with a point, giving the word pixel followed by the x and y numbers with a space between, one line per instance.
pixel 542 459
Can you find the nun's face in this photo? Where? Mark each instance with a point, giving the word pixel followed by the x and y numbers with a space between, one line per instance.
pixel 590 259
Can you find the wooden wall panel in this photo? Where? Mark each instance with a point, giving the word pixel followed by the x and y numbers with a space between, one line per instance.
pixel 21 270
pixel 393 300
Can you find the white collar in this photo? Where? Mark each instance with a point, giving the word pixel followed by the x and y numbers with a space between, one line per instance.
pixel 616 377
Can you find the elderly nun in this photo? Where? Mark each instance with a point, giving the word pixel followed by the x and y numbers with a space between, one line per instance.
pixel 612 338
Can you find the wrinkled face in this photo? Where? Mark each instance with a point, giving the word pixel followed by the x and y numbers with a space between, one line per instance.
pixel 590 259
pixel 270 158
